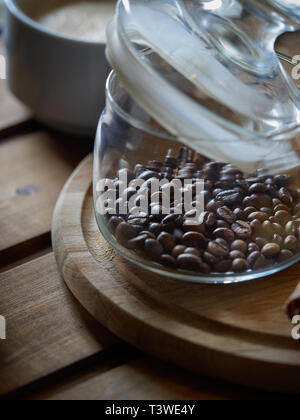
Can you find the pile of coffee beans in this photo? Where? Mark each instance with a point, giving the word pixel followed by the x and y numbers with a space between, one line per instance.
pixel 250 222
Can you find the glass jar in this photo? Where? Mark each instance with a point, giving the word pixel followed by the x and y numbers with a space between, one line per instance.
pixel 130 142
pixel 193 181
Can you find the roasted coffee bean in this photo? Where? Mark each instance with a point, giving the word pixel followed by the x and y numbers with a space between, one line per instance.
pixel 226 214
pixel 267 210
pixel 194 251
pixel 217 191
pixel 146 175
pixel 166 240
pixel 155 228
pixel 210 259
pixel 213 205
pixel 217 249
pixel 281 207
pixel 277 239
pixel 285 196
pixel 223 266
pixel 256 260
pixel 125 232
pixel 209 219
pixel 179 249
pixel 249 210
pixel 177 234
pixel 258 215
pixel 260 242
pixel 279 230
pixel 114 223
pixel 283 180
pixel 190 262
pixel 239 214
pixel 256 227
pixel 230 197
pixel 149 234
pixel 293 228
pixel 242 229
pixel 236 254
pixel 168 261
pixel 271 250
pixel 225 233
pixel 285 255
pixel 252 247
pixel 290 242
pixel 268 229
pixel 222 224
pixel 282 217
pixel 194 239
pixel 240 265
pixel 194 227
pixel 240 246
pixel 258 188
pixel 258 201
pixel 153 248
pixel 222 242
pixel 137 242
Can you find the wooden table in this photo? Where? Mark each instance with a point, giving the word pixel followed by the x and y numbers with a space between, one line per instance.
pixel 54 348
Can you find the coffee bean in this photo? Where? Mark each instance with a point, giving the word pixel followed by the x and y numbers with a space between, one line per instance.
pixel 268 229
pixel 256 260
pixel 236 254
pixel 194 227
pixel 239 214
pixel 267 210
pixel 293 227
pixel 258 201
pixel 252 247
pixel 271 250
pixel 217 249
pixel 213 205
pixel 179 249
pixel 146 175
pixel 153 248
pixel 225 233
pixel 282 217
pixel 285 196
pixel 260 242
pixel 194 239
pixel 166 240
pixel 137 242
pixel 249 210
pixel 149 234
pixel 283 180
pixel 258 215
pixel 210 259
pixel 222 224
pixel 125 232
pixel 155 228
pixel 230 197
pixel 222 242
pixel 277 239
pixel 226 214
pixel 279 229
pixel 240 265
pixel 209 219
pixel 239 245
pixel 194 251
pixel 281 207
pixel 114 223
pixel 223 266
pixel 291 242
pixel 285 255
pixel 190 262
pixel 168 261
pixel 242 229
pixel 258 188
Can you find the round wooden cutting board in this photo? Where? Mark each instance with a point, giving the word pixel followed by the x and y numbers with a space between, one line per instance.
pixel 236 332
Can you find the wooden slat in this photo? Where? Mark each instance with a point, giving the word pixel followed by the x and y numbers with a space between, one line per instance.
pixel 146 379
pixel 47 329
pixel 34 169
pixel 12 112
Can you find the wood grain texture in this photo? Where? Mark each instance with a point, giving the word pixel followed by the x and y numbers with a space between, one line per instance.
pixel 236 332
pixel 34 168
pixel 47 329
pixel 146 379
pixel 12 112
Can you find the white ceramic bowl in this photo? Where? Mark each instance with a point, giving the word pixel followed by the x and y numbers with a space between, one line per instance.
pixel 60 78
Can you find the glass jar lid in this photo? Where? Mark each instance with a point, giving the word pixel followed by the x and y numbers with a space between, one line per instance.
pixel 206 70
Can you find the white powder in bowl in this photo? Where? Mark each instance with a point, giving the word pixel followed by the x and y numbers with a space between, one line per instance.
pixel 85 20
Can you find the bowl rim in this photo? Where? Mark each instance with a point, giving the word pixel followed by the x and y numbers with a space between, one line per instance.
pixel 16 10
